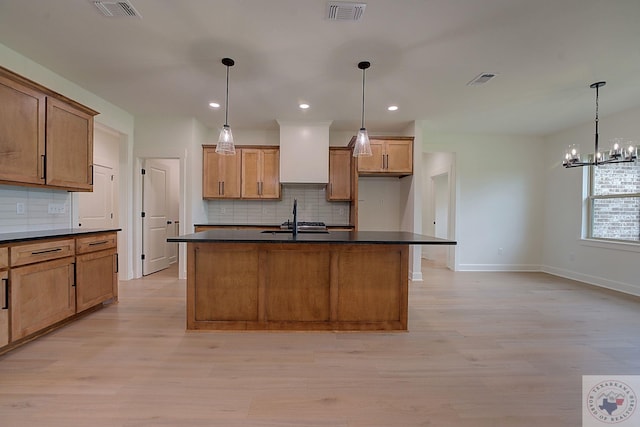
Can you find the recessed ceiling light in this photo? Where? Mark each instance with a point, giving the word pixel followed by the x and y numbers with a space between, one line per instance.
pixel 214 105
pixel 304 106
pixel 392 107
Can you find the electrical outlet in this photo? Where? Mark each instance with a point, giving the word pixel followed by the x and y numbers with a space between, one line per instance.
pixel 20 208
pixel 223 211
pixel 56 208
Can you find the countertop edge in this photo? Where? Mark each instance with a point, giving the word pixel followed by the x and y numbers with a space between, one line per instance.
pixel 23 236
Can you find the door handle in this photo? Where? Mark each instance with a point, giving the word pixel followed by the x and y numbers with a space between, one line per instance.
pixel 6 293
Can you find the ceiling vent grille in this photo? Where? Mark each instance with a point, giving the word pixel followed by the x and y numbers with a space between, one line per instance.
pixel 345 11
pixel 481 79
pixel 116 9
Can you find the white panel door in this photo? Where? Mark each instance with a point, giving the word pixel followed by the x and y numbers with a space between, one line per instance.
pixel 96 208
pixel 154 222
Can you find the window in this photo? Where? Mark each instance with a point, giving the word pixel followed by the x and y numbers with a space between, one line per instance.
pixel 614 202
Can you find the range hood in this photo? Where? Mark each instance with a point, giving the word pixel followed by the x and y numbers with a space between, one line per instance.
pixel 304 152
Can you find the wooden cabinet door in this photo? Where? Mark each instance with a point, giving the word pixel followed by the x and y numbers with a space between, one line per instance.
pixel 4 308
pixel 270 176
pixel 374 163
pixel 399 156
pixel 260 173
pixel 220 175
pixel 22 127
pixel 41 294
pixel 96 278
pixel 251 176
pixel 69 151
pixel 339 187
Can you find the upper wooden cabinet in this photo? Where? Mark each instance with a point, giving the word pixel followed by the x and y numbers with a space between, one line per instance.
pixel 339 187
pixel 45 138
pixel 253 173
pixel 392 156
pixel 220 174
pixel 260 173
pixel 69 150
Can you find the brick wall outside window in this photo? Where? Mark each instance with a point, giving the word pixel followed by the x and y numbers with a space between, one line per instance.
pixel 619 217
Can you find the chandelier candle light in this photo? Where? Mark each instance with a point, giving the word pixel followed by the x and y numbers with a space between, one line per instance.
pixel 620 152
pixel 363 146
pixel 225 140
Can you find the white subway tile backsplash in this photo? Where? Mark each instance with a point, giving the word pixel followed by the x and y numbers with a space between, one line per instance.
pixel 312 206
pixel 34 205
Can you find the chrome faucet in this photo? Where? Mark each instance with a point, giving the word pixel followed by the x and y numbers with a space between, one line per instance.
pixel 295 218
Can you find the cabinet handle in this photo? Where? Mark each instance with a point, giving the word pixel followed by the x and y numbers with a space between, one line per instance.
pixel 222 187
pixel 46 251
pixel 6 293
pixel 44 166
pixel 75 275
pixel 102 242
pixel 331 188
pixel 91 174
pixel 219 189
pixel 117 263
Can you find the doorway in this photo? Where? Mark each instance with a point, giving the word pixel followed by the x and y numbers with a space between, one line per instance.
pixel 160 213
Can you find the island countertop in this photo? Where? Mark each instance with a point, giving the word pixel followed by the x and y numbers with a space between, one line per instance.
pixel 336 237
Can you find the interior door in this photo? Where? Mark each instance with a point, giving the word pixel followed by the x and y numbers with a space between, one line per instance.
pixel 96 209
pixel 154 220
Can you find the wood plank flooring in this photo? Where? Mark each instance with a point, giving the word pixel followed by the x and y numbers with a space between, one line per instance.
pixel 483 349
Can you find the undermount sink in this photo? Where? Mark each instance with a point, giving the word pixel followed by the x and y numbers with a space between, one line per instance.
pixel 299 231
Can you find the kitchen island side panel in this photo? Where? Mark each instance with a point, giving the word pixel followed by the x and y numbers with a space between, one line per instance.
pixel 271 286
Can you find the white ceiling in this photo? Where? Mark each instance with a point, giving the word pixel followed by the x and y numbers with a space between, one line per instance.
pixel 423 53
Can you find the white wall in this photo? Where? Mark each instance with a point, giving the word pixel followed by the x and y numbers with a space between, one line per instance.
pixel 179 138
pixel 612 265
pixel 498 198
pixel 111 116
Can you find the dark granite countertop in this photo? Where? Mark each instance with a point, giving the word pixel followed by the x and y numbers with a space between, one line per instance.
pixel 48 234
pixel 264 225
pixel 353 237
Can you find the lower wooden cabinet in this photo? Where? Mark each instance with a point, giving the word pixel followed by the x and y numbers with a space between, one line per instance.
pixel 96 278
pixel 4 310
pixel 42 294
pixel 46 282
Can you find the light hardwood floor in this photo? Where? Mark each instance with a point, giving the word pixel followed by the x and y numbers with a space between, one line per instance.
pixel 483 349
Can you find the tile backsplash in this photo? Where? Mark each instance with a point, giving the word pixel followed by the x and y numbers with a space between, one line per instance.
pixel 312 206
pixel 27 209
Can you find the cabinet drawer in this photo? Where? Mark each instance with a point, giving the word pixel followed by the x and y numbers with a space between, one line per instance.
pixel 4 257
pixel 41 251
pixel 96 242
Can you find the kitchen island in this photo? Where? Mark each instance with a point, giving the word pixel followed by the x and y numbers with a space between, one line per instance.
pixel 271 280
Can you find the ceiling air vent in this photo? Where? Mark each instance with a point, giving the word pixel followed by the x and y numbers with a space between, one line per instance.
pixel 345 11
pixel 117 8
pixel 481 79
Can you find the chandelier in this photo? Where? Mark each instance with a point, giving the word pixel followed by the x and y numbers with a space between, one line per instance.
pixel 620 152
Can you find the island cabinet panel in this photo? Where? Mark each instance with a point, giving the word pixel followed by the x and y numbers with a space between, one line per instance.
pixel 226 289
pixel 297 284
pixel 22 126
pixel 42 294
pixel 302 286
pixel 365 294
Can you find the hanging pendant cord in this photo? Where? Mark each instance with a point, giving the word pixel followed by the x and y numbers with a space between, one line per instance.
pixel 362 124
pixel 596 153
pixel 226 101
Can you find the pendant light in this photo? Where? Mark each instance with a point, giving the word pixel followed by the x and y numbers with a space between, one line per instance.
pixel 362 146
pixel 225 140
pixel 620 151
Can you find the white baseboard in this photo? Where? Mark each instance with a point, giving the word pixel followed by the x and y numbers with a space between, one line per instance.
pixel 498 267
pixel 602 282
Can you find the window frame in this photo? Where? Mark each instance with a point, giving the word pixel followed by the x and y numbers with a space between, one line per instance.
pixel 590 210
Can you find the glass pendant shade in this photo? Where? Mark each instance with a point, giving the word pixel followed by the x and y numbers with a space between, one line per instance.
pixel 225 142
pixel 362 146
